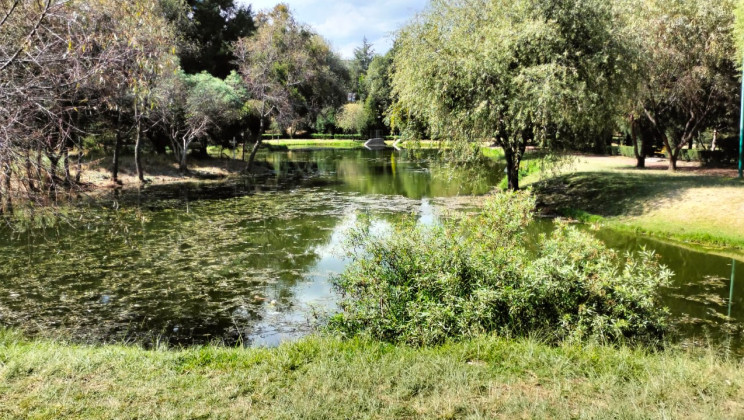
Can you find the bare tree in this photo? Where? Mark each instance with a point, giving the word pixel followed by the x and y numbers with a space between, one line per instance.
pixel 62 64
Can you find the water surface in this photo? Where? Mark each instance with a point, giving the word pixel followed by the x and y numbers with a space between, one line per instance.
pixel 249 261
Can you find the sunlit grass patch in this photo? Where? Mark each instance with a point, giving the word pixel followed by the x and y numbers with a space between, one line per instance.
pixel 686 206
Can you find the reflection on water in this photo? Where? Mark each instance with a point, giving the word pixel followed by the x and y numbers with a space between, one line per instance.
pixel 249 260
pixel 731 286
pixel 706 295
pixel 236 261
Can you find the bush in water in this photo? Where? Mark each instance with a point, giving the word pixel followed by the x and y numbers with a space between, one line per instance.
pixel 478 273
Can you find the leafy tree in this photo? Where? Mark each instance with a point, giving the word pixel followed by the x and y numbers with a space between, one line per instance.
pixel 63 65
pixel 326 121
pixel 209 30
pixel 378 89
pixel 290 73
pixel 189 106
pixel 352 118
pixel 687 78
pixel 739 29
pixel 147 39
pixel 512 70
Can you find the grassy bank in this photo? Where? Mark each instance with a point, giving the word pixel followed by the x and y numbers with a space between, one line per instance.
pixel 295 144
pixel 327 378
pixel 692 205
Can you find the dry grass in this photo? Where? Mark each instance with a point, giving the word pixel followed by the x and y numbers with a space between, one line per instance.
pixel 159 170
pixel 692 204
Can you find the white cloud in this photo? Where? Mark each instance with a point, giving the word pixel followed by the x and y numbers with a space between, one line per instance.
pixel 345 22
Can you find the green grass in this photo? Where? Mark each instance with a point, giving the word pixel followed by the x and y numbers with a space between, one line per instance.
pixel 315 143
pixel 492 152
pixel 325 378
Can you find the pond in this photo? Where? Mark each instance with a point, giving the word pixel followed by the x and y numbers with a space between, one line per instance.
pixel 250 262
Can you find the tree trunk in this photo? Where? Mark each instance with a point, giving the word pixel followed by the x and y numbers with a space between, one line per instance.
pixel 182 162
pixel 673 154
pixel 4 190
pixel 252 157
pixel 29 175
pixel 138 152
pixel 117 151
pixel 8 196
pixel 2 207
pixel 79 166
pixel 66 163
pixel 673 151
pixel 715 139
pixel 39 168
pixel 256 146
pixel 512 169
pixel 53 163
pixel 640 153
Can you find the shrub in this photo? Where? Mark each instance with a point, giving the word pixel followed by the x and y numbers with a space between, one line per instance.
pixel 713 157
pixel 423 285
pixel 627 151
pixel 348 137
pixel 688 155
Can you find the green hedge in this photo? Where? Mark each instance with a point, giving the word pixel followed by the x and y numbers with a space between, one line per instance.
pixel 321 136
pixel 345 137
pixel 626 151
pixel 688 155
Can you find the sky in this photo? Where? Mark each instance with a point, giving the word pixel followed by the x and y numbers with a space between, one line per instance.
pixel 345 22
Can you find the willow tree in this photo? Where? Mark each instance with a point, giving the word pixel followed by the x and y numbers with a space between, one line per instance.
pixel 515 71
pixel 688 75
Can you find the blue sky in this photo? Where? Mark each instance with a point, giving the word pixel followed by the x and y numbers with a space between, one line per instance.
pixel 345 22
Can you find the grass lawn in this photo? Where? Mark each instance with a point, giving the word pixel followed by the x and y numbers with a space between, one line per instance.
pixel 325 378
pixel 694 205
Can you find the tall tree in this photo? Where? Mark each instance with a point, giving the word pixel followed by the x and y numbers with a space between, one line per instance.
pixel 212 26
pixel 358 67
pixel 688 77
pixel 289 72
pixel 379 92
pixel 509 70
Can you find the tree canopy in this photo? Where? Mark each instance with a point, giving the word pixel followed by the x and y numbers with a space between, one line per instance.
pixel 687 80
pixel 290 71
pixel 209 30
pixel 513 71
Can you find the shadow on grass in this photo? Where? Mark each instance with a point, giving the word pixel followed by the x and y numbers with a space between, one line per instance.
pixel 618 194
